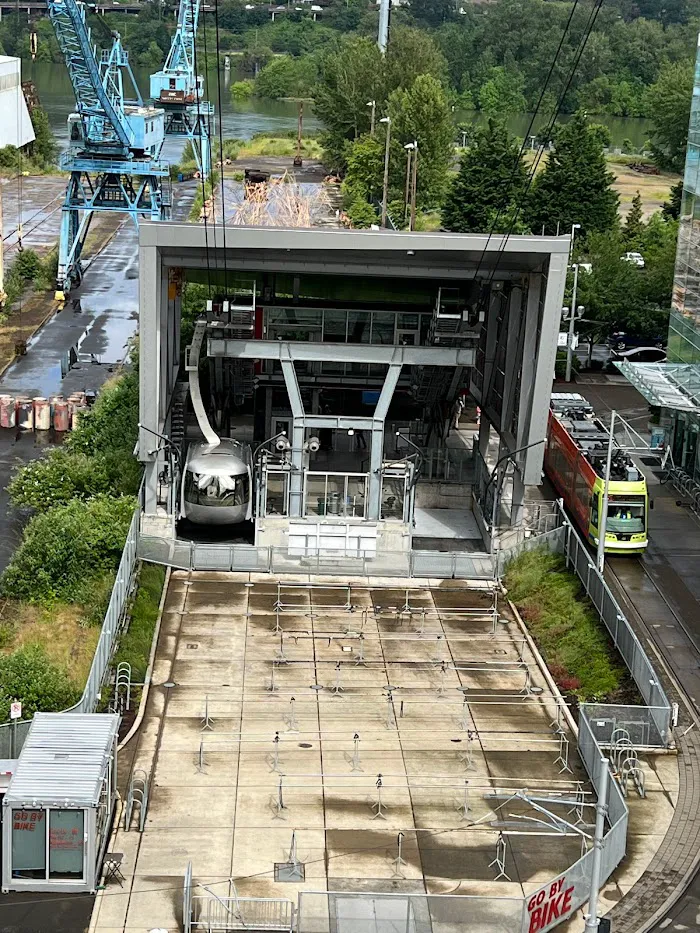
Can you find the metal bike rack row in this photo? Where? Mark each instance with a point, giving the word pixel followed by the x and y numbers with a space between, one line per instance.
pixel 137 796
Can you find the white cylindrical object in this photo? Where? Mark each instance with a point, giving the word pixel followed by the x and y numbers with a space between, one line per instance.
pixel 42 414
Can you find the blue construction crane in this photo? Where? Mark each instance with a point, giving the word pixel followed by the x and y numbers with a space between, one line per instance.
pixel 114 142
pixel 178 90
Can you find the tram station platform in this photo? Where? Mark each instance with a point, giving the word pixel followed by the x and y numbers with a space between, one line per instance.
pixel 313 724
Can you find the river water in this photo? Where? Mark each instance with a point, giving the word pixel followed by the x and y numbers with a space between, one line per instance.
pixel 242 119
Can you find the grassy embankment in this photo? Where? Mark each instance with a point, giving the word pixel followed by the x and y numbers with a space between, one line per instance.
pixel 566 628
pixel 56 587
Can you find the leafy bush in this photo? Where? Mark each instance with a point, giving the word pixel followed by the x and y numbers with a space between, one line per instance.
pixel 566 628
pixel 62 550
pixel 29 676
pixel 286 77
pixel 242 90
pixel 58 478
pixel 111 425
pixel 361 214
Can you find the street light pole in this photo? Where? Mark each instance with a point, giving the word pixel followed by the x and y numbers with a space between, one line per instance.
pixel 409 152
pixel 385 189
pixel 569 345
pixel 414 186
pixel 603 517
pixel 572 321
pixel 373 105
pixel 592 920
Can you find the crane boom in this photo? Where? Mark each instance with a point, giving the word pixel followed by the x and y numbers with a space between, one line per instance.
pixel 101 114
pixel 181 54
pixel 179 90
pixel 114 143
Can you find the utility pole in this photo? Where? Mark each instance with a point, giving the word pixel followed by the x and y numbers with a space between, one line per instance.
pixel 414 186
pixel 385 188
pixel 592 919
pixel 603 517
pixel 297 158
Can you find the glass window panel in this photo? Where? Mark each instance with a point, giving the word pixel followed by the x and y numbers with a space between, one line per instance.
pixel 66 843
pixel 383 327
pixel 408 321
pixel 315 494
pixel 28 843
pixel 358 326
pixel 276 494
pixel 334 325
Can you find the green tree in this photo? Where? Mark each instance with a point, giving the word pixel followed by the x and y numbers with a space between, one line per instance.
pixel 422 114
pixel 671 210
pixel 433 12
pixel 634 225
pixel 285 76
pixel 44 148
pixel 668 107
pixel 502 93
pixel 349 77
pixel 491 181
pixel 411 52
pixel 575 185
pixel 365 168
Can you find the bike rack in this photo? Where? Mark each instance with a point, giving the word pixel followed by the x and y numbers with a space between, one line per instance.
pixel 136 796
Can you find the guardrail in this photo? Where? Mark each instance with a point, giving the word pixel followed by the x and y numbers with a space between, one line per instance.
pixel 191 555
pixel 684 484
pixel 625 640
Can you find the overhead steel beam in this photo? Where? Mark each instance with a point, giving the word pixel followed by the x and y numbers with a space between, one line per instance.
pixel 339 352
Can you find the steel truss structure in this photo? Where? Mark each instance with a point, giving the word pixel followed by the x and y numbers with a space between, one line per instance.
pixel 114 141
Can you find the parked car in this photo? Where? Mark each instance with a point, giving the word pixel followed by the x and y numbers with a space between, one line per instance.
pixel 635 258
pixel 621 340
pixel 637 355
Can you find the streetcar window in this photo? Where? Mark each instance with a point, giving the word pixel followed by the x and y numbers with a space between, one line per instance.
pixel 206 489
pixel 626 517
pixel 594 511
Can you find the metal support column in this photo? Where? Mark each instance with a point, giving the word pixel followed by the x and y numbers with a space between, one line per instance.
pixel 374 497
pixel 296 479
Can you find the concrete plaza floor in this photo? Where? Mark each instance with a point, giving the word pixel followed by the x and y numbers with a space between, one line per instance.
pixel 338 725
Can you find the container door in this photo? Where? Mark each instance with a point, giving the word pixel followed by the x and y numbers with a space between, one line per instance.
pixel 67 845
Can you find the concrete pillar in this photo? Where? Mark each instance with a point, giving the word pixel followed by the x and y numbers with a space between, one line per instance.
pixel 544 369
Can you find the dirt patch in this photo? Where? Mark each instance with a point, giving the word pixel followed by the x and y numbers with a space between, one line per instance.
pixel 654 189
pixel 59 631
pixel 22 324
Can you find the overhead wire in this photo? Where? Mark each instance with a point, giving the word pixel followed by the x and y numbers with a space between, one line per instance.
pixel 595 10
pixel 516 162
pixel 203 179
pixel 546 136
pixel 221 142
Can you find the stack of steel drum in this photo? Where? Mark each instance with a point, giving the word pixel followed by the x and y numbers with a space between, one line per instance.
pixel 42 414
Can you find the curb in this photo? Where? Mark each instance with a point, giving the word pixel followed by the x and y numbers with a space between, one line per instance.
pixel 541 663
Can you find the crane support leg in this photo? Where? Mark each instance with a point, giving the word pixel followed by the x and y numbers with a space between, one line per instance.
pixel 115 191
